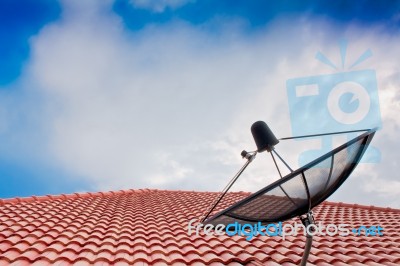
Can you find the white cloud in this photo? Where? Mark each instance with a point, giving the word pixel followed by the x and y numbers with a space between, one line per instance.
pixel 159 6
pixel 171 106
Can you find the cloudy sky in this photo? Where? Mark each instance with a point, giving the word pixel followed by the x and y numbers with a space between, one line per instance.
pixel 107 95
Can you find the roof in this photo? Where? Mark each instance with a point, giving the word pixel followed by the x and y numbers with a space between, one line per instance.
pixel 149 227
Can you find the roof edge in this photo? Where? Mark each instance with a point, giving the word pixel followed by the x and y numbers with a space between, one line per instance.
pixel 360 206
pixel 17 200
pixel 69 196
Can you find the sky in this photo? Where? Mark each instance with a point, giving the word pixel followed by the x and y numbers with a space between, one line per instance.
pixel 128 94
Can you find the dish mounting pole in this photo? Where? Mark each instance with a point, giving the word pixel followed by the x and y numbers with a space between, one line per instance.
pixel 307 220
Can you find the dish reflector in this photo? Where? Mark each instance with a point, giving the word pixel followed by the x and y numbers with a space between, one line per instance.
pixel 298 192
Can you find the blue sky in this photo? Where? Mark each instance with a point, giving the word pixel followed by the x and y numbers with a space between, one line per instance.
pixel 23 19
pixel 103 95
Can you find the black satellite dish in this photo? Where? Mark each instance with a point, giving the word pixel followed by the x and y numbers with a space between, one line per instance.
pixel 297 193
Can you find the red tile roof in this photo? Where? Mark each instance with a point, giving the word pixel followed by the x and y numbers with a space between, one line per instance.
pixel 149 227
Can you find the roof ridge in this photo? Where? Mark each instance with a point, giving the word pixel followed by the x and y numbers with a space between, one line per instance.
pixel 91 194
pixel 127 191
pixel 361 206
pixel 70 196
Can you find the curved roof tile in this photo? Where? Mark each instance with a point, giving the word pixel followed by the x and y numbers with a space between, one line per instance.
pixel 149 227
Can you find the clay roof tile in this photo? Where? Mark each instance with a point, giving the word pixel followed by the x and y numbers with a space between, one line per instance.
pixel 149 227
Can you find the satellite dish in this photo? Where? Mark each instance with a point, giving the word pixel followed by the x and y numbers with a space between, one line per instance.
pixel 296 194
